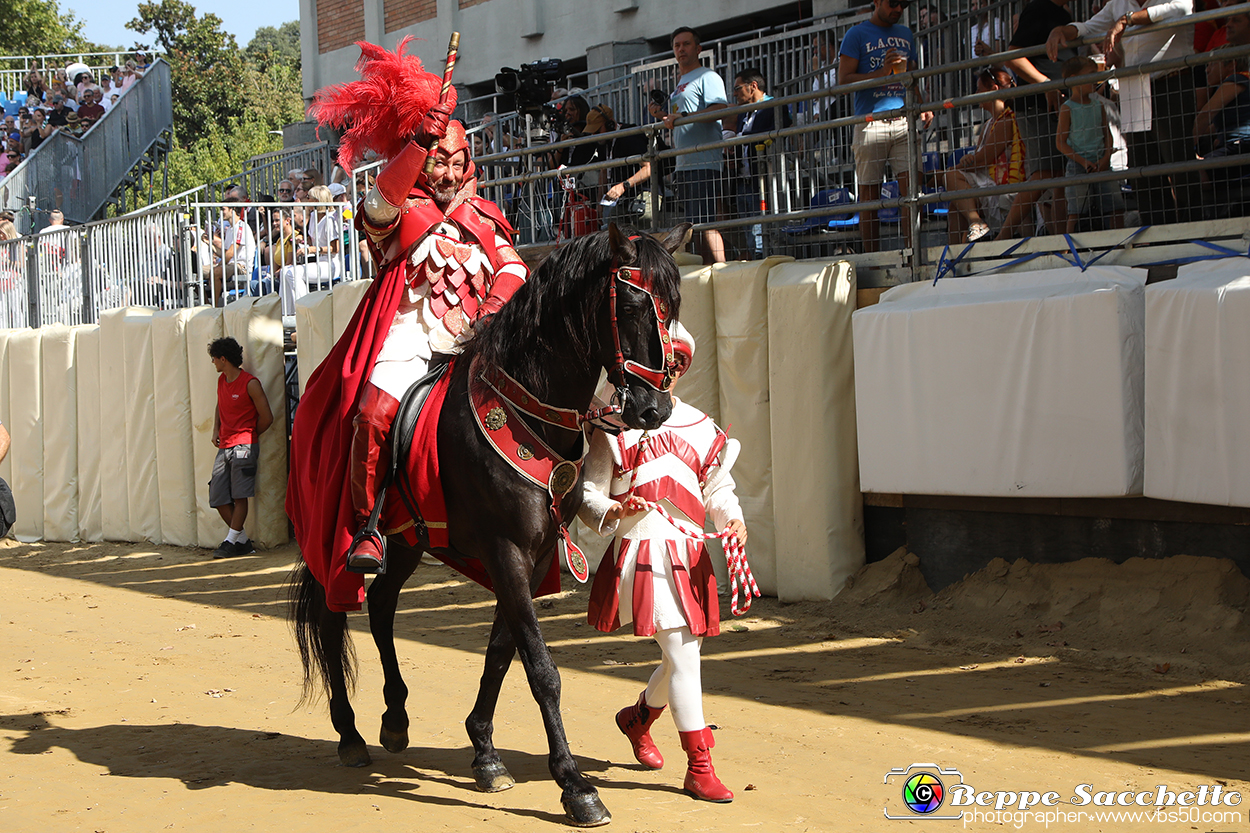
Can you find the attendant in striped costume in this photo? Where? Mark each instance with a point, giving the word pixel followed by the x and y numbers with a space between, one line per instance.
pixel 997 160
pixel 656 577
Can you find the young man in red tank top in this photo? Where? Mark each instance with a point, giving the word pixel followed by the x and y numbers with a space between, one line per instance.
pixel 242 415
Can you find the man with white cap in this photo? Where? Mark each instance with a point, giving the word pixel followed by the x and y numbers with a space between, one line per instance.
pixel 653 574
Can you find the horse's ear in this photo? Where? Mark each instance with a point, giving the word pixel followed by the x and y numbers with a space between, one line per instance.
pixel 621 246
pixel 676 238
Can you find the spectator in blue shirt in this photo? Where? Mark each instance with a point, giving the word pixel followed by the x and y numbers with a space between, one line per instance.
pixel 877 48
pixel 699 90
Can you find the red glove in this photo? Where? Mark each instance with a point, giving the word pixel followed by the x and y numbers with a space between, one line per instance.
pixel 434 126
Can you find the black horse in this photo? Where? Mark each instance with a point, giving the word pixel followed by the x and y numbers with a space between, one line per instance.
pixel 585 309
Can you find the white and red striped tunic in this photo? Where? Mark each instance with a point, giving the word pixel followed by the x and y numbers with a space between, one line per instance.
pixel 653 575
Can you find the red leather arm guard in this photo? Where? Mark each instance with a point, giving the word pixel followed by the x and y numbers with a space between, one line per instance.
pixel 506 283
pixel 395 181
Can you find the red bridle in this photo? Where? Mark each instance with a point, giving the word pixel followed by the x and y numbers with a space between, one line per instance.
pixel 657 379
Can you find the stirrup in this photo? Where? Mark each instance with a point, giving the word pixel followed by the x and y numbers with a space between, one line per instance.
pixel 367 565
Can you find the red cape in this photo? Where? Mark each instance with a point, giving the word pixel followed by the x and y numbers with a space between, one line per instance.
pixel 318 498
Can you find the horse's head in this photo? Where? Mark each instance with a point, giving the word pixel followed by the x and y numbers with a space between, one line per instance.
pixel 644 294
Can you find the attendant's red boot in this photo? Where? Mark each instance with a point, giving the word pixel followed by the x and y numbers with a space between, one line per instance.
pixel 635 722
pixel 701 780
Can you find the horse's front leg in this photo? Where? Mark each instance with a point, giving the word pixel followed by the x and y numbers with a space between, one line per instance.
pixel 489 773
pixel 511 576
pixel 383 601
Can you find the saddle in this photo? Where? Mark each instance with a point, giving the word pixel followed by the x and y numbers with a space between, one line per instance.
pixel 414 449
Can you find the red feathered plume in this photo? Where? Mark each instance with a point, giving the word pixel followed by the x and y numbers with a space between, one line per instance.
pixel 382 110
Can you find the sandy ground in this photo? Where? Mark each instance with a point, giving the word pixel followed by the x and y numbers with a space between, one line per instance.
pixel 146 689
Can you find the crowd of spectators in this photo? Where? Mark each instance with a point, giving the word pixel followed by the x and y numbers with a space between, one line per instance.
pixel 56 101
pixel 291 242
pixel 1093 127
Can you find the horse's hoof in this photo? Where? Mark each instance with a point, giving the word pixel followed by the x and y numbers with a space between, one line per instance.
pixel 493 778
pixel 355 754
pixel 393 741
pixel 586 810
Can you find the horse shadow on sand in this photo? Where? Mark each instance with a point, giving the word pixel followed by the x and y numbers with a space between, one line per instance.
pixel 190 753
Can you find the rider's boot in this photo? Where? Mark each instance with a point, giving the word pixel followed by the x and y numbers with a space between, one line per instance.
pixel 701 780
pixel 635 723
pixel 370 455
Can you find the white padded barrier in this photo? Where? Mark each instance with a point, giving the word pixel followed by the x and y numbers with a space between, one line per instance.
pixel 700 386
pixel 817 504
pixel 175 463
pixel 115 501
pixel 314 327
pixel 90 487
pixel 140 409
pixel 1025 385
pixel 1197 386
pixel 347 297
pixel 256 323
pixel 60 434
pixel 740 298
pixel 6 465
pixel 204 325
pixel 26 430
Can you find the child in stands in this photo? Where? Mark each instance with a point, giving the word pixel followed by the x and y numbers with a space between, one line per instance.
pixel 1085 138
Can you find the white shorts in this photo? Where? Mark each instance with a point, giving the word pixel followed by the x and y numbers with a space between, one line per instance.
pixel 878 142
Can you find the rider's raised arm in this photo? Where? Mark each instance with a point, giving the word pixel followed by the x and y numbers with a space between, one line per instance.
pixel 391 187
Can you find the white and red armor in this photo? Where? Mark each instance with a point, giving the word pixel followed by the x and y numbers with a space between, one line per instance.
pixel 652 574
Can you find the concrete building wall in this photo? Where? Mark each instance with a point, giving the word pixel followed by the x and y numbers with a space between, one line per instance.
pixel 498 33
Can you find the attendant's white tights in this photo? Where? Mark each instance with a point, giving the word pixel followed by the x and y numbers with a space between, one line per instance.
pixel 677 682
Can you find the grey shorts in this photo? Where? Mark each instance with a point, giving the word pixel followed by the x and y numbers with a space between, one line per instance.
pixel 234 475
pixel 1038 129
pixel 698 191
pixel 1103 198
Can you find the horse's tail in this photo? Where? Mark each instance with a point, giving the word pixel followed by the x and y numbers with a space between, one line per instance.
pixel 321 634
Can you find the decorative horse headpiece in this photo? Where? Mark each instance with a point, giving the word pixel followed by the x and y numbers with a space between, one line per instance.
pixel 656 378
pixel 683 346
pixel 384 109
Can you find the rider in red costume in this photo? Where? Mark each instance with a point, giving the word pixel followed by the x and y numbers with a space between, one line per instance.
pixel 445 262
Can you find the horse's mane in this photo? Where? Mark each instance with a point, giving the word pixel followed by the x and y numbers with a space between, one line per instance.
pixel 548 325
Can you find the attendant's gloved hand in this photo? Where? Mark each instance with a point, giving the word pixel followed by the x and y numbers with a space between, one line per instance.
pixel 434 126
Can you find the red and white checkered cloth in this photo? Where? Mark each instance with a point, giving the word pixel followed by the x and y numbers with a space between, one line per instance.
pixel 735 556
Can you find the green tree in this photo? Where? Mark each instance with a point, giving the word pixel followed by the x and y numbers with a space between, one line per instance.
pixel 206 66
pixel 39 27
pixel 280 45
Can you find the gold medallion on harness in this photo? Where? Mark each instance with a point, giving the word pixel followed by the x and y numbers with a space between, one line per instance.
pixel 496 418
pixel 578 562
pixel 552 416
pixel 524 452
pixel 563 477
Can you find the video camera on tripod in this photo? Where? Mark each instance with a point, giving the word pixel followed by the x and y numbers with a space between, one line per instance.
pixel 531 86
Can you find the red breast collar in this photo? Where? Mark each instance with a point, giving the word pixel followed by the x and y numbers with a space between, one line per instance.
pixel 498 401
pixel 516 394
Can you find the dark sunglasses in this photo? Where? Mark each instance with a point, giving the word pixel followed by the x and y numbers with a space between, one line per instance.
pixel 285 190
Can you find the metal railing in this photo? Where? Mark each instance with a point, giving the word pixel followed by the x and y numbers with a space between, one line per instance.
pixel 79 175
pixel 255 249
pixel 69 275
pixel 261 174
pixel 14 69
pixel 804 166
pixel 783 206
